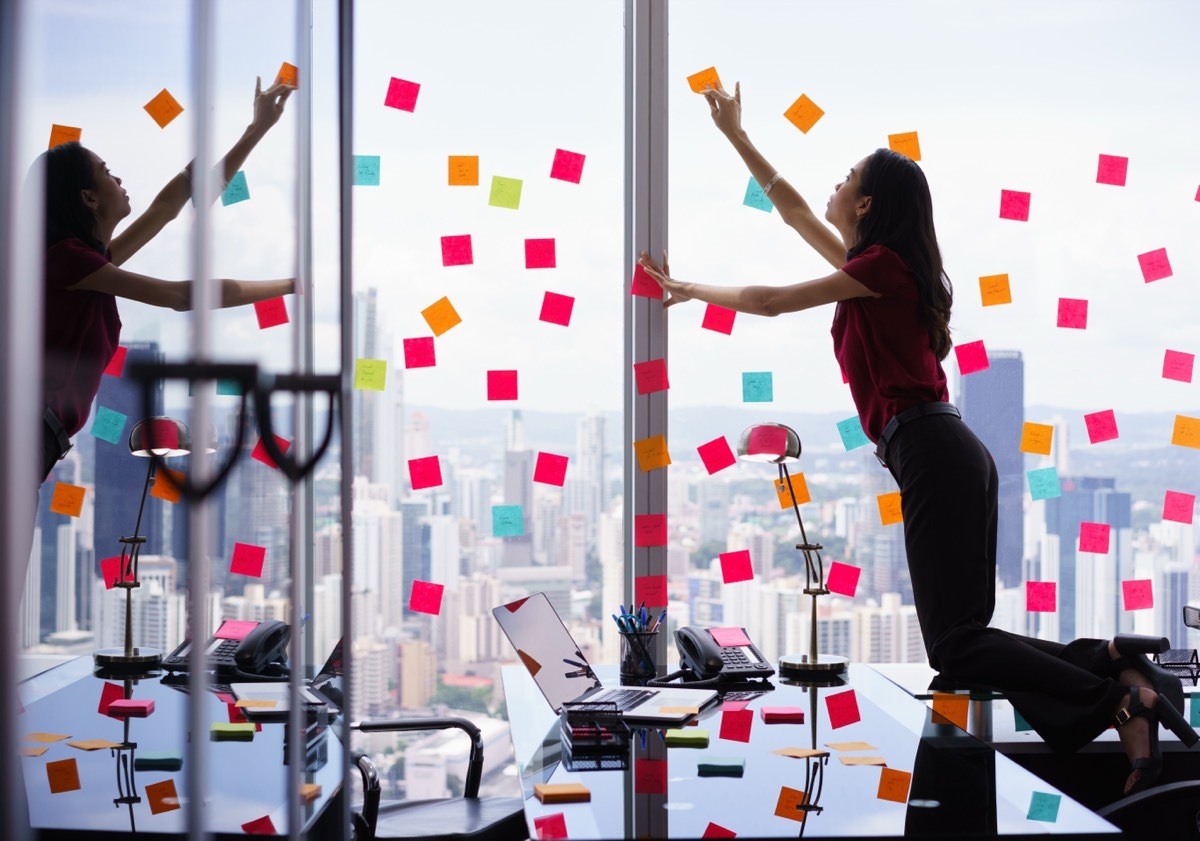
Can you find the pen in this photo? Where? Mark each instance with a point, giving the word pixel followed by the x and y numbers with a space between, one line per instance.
pixel 642 613
pixel 659 620
pixel 620 626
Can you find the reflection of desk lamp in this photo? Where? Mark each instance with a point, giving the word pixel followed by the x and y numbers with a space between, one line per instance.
pixel 777 444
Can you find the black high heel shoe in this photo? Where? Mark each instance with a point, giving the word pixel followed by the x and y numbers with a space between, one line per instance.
pixel 1133 649
pixel 1150 766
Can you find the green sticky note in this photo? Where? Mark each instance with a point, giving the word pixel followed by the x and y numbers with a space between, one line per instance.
pixel 158 760
pixel 852 433
pixel 508 521
pixel 756 198
pixel 238 731
pixel 506 192
pixel 366 170
pixel 1043 483
pixel 370 373
pixel 236 190
pixel 1020 723
pixel 1193 711
pixel 1044 807
pixel 757 387
pixel 688 737
pixel 724 766
pixel 108 424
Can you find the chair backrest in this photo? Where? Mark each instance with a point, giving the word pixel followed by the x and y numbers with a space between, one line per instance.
pixel 1166 811
pixel 370 783
pixel 1191 616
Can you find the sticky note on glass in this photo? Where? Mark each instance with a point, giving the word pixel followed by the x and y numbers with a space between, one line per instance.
pixel 650 530
pixel 110 571
pixel 63 776
pixel 687 738
pixel 757 387
pixel 644 285
pixel 561 793
pixel 309 792
pixel 370 374
pixel 1112 169
pixel 852 434
pixel 1094 537
pixel 736 725
pixel 1154 265
pixel 842 708
pixel 1043 806
pixel 162 796
pixel 556 309
pixel 63 134
pixel 456 250
pixel 1101 426
pixel 782 715
pixel 45 738
pixel 117 364
pixel 366 170
pixel 418 352
pixel 893 785
pixel 651 376
pixel 506 192
pixel 756 198
pixel 1036 438
pixel 235 629
pixel 906 143
pixel 93 744
pixel 238 731
pixel 426 597
pixel 462 170
pixel 1041 596
pixel 260 826
pixel 501 385
pixel 236 190
pixel 441 316
pixel 716 455
pixel 288 74
pixel 248 559
pixel 843 578
pixel 722 766
pixel 67 499
pixel 259 453
pixel 952 707
pixel 402 94
pixel 803 113
pixel 799 753
pixel 108 424
pixel 715 830
pixel 736 566
pixel 28 751
pixel 1186 432
pixel 795 489
pixel 425 472
pixel 1138 593
pixel 508 521
pixel 1178 507
pixel 718 319
pixel 651 589
pixel 270 313
pixel 890 510
pixel 539 254
pixel 790 804
pixel 551 827
pixel 1043 483
pixel 111 692
pixel 1177 365
pixel 1014 204
pixel 567 166
pixel 994 290
pixel 130 708
pixel 848 746
pixel 163 108
pixel 256 704
pixel 1072 312
pixel 652 453
pixel 550 469
pixel 972 357
pixel 705 78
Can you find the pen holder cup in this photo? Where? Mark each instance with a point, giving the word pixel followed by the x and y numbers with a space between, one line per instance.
pixel 637 657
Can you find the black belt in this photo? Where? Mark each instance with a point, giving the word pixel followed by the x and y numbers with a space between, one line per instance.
pixel 60 434
pixel 897 421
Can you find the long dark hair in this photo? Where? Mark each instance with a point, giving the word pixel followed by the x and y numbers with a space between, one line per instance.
pixel 901 218
pixel 68 172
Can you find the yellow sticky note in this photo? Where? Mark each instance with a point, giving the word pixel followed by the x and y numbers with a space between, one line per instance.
pixel 803 113
pixel 800 753
pixel 288 74
pixel 951 707
pixel 163 487
pixel 46 737
pixel 679 710
pixel 463 170
pixel 795 486
pixel 63 776
pixel 257 703
pixel 848 746
pixel 652 453
pixel 370 374
pixel 94 744
pixel 889 508
pixel 309 792
pixel 862 760
pixel 1036 438
pixel 26 751
pixel 162 796
pixel 63 134
pixel 905 143
pixel 1186 432
pixel 994 289
pixel 708 76
pixel 441 316
pixel 163 108
pixel 893 785
pixel 67 499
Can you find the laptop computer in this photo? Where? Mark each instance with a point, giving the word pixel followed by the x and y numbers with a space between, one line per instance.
pixel 323 692
pixel 563 674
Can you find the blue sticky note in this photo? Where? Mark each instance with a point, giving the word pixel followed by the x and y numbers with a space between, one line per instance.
pixel 852 433
pixel 757 387
pixel 108 425
pixel 1043 483
pixel 756 198
pixel 508 521
pixel 366 170
pixel 236 190
pixel 229 387
pixel 1044 807
pixel 1020 723
pixel 1193 711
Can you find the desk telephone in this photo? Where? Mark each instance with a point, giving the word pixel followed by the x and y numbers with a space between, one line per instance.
pixel 701 655
pixel 259 655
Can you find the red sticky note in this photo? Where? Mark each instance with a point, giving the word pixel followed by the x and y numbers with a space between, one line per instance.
pixel 117 364
pixel 1014 205
pixel 130 708
pixel 650 776
pixel 235 629
pixel 248 559
pixel 782 715
pixel 418 352
pixel 715 830
pixel 730 637
pixel 567 166
pixel 556 309
pixel 501 385
pixel 843 578
pixel 1177 365
pixel 426 597
pixel 842 708
pixel 110 571
pixel 736 566
pixel 651 376
pixel 645 285
pixel 1093 537
pixel 456 251
pixel 259 453
pixel 1072 312
pixel 550 827
pixel 539 254
pixel 63 776
pixel 650 530
pixel 736 725
pixel 1101 426
pixel 424 472
pixel 111 692
pixel 893 785
pixel 260 826
pixel 651 589
pixel 1041 596
pixel 718 319
pixel 1178 507
pixel 550 469
pixel 716 455
pixel 1111 170
pixel 1155 265
pixel 271 313
pixel 972 357
pixel 1138 593
pixel 402 94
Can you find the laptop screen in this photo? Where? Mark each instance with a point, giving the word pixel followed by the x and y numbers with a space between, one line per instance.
pixel 547 649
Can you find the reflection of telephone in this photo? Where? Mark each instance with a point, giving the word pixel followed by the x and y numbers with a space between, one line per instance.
pixel 707 659
pixel 258 655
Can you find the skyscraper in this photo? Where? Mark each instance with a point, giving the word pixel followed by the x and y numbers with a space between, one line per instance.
pixel 585 489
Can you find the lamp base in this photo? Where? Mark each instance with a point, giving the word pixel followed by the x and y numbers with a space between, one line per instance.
pixel 116 662
pixel 825 669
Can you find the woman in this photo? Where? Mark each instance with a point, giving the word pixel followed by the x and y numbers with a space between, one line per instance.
pixel 83 274
pixel 890 333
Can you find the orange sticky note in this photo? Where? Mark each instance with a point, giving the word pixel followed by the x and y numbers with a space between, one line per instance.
pixel 1186 432
pixel 790 804
pixel 803 113
pixel 994 289
pixel 67 499
pixel 463 170
pixel 162 796
pixel 163 108
pixel 889 508
pixel 63 134
pixel 288 74
pixel 863 760
pixel 1036 438
pixel 26 751
pixel 952 707
pixel 652 453
pixel 708 76
pixel 163 488
pixel 893 785
pixel 905 143
pixel 63 776
pixel 46 738
pixel 309 792
pixel 795 487
pixel 441 316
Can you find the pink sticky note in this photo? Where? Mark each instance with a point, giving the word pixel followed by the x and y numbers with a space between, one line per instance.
pixel 271 313
pixel 1198 194
pixel 767 440
pixel 111 692
pixel 1101 426
pixel 650 530
pixel 1014 205
pixel 539 254
pixel 1177 365
pixel 782 715
pixel 730 637
pixel 715 830
pixel 718 319
pixel 550 827
pixel 843 708
pixel 260 826
pixel 972 357
pixel 1112 170
pixel 651 376
pixel 1072 312
pixel 501 385
pixel 117 364
pixel 650 776
pixel 550 469
pixel 110 571
pixel 1155 265
pixel 402 94
pixel 651 589
pixel 426 597
pixel 425 472
pixel 716 455
pixel 1094 537
pixel 645 285
pixel 736 566
pixel 130 708
pixel 1041 596
pixel 734 705
pixel 1178 507
pixel 235 629
pixel 567 166
pixel 456 251
pixel 556 309
pixel 843 578
pixel 736 725
pixel 259 453
pixel 418 352
pixel 1138 593
pixel 248 560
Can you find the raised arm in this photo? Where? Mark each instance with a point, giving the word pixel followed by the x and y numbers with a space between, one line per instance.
pixel 177 294
pixel 268 107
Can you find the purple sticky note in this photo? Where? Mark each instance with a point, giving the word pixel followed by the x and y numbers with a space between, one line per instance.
pixel 972 357
pixel 550 469
pixel 716 455
pixel 425 472
pixel 1101 426
pixel 1094 537
pixel 843 578
pixel 1111 170
pixel 1072 312
pixel 501 385
pixel 418 352
pixel 402 94
pixel 556 309
pixel 539 254
pixel 842 708
pixel 1014 205
pixel 1138 593
pixel 651 376
pixel 1178 507
pixel 718 319
pixel 1155 265
pixel 1041 596
pixel 645 285
pixel 248 560
pixel 650 530
pixel 736 566
pixel 456 250
pixel 567 166
pixel 1177 365
pixel 426 597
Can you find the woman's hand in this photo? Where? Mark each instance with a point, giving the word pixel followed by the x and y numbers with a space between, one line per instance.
pixel 268 104
pixel 726 110
pixel 662 276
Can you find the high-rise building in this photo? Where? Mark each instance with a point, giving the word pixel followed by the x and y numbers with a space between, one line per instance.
pixel 518 490
pixel 415 550
pixel 30 619
pixel 54 531
pixel 585 488
pixel 375 415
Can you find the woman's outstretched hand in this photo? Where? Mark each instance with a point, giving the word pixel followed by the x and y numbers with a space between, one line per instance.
pixel 726 110
pixel 662 276
pixel 268 104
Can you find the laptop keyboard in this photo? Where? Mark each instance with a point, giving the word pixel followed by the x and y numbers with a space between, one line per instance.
pixel 625 699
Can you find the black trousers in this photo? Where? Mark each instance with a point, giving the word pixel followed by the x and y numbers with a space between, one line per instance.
pixel 948 494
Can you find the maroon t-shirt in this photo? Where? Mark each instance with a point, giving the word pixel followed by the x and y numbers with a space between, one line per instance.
pixel 82 330
pixel 882 344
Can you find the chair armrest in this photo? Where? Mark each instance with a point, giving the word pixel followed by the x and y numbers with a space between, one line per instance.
pixel 474 763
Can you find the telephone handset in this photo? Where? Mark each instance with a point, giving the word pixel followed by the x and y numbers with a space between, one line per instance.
pixel 726 656
pixel 259 653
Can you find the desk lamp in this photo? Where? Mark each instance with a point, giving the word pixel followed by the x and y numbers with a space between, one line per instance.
pixel 774 443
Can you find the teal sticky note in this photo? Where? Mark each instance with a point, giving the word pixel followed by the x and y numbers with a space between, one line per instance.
pixel 506 192
pixel 756 198
pixel 1193 711
pixel 720 766
pixel 1044 807
pixel 229 387
pixel 236 190
pixel 108 425
pixel 366 170
pixel 1020 723
pixel 1043 483
pixel 852 433
pixel 158 760
pixel 757 387
pixel 508 521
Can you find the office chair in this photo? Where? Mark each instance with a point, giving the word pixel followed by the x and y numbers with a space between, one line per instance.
pixel 445 819
pixel 1167 811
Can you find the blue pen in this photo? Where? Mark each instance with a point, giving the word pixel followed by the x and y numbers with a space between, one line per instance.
pixel 643 614
pixel 659 620
pixel 620 627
